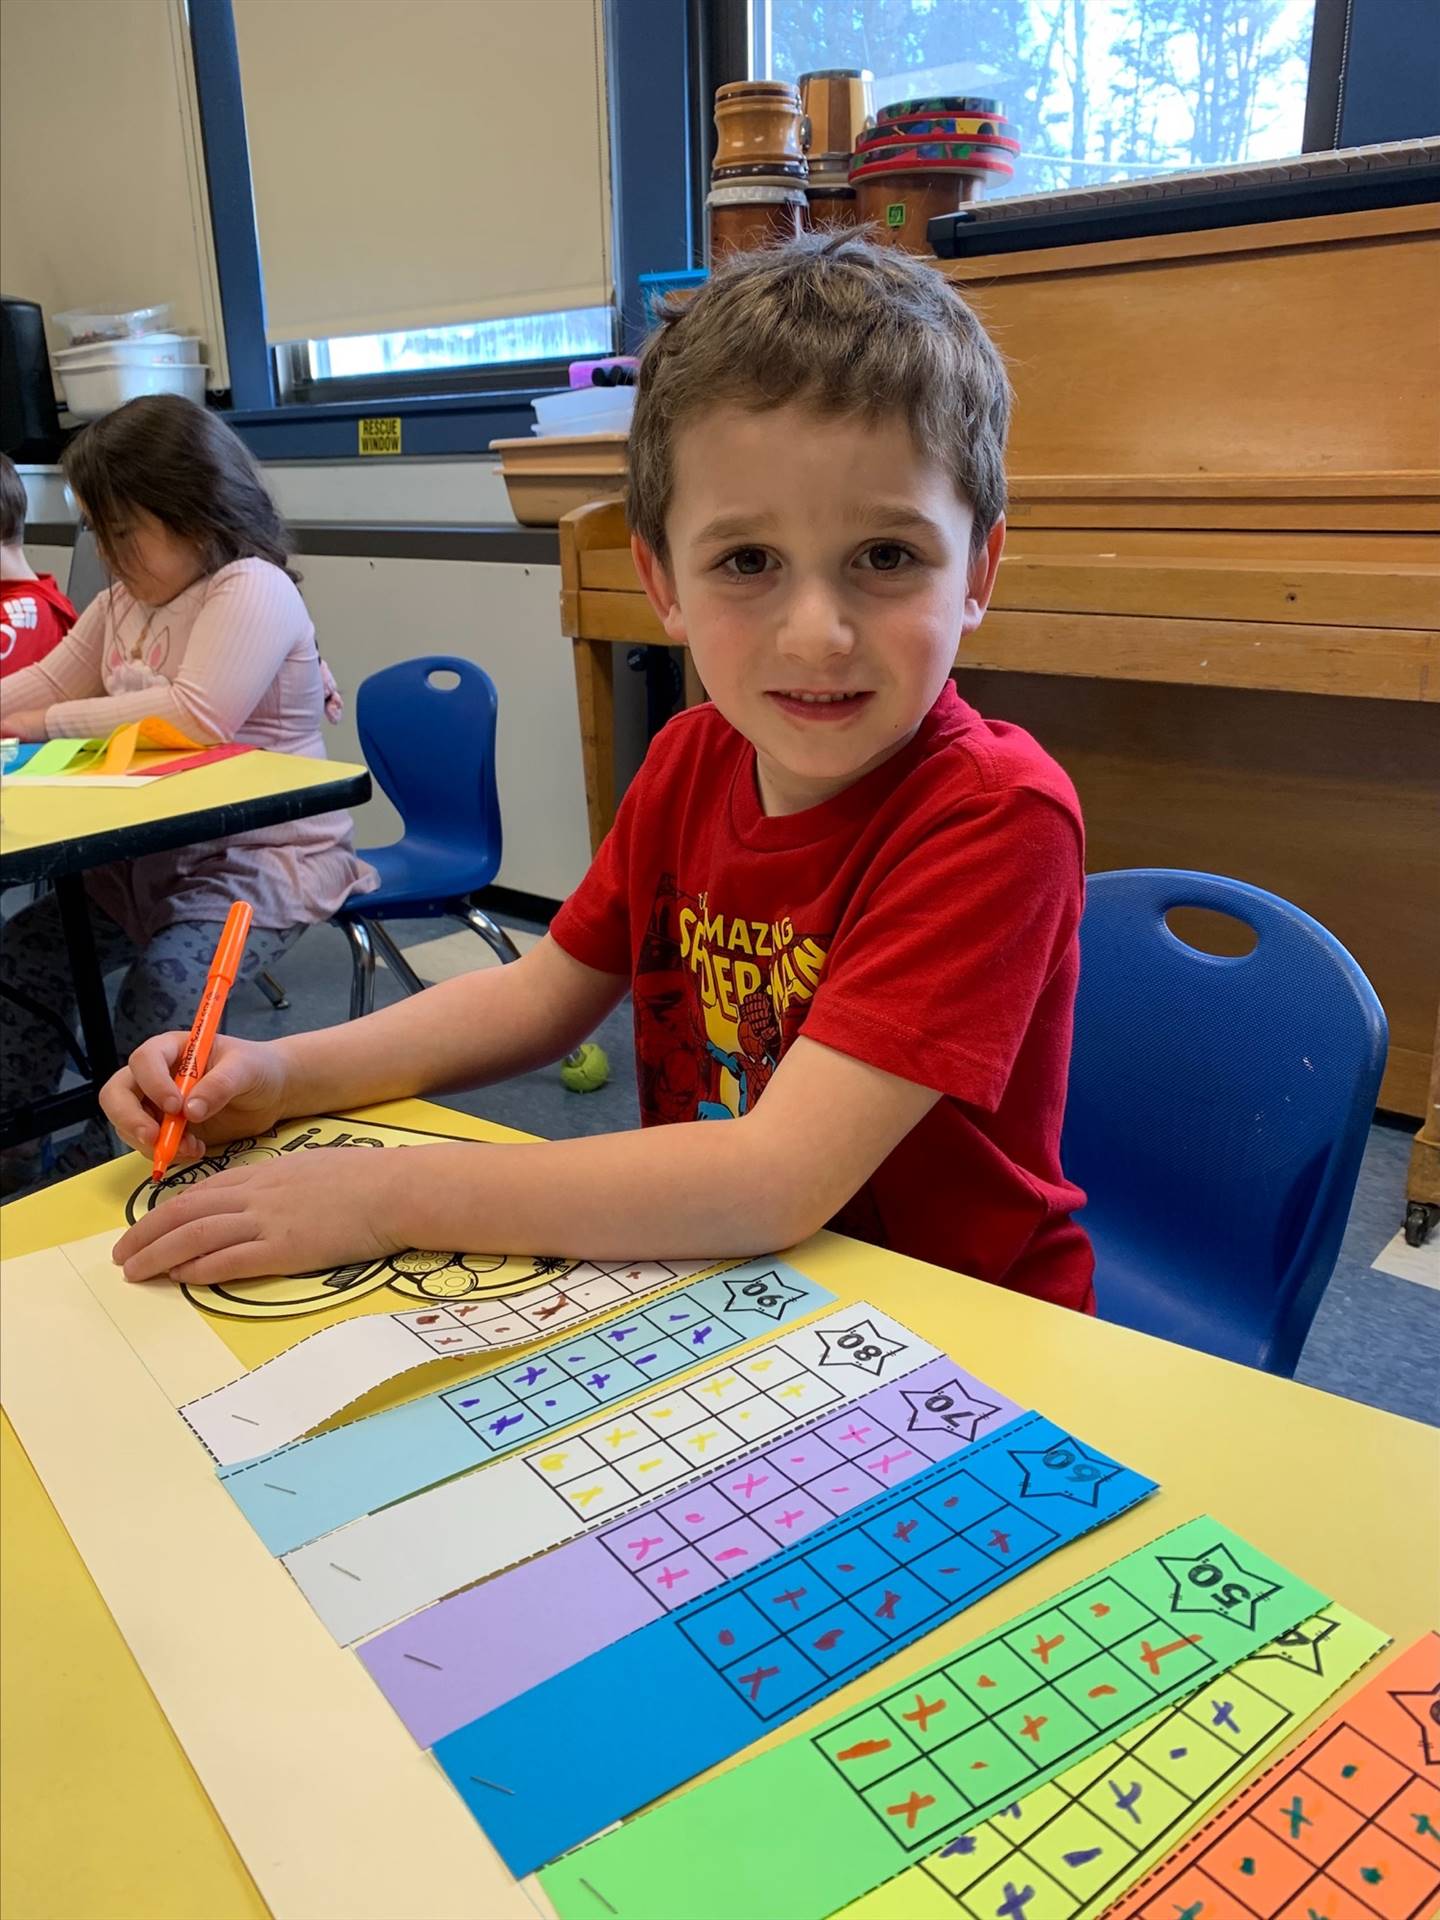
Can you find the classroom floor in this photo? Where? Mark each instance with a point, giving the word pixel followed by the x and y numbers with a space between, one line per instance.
pixel 1376 1337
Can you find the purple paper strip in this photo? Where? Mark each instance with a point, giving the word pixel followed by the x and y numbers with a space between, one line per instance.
pixel 466 1655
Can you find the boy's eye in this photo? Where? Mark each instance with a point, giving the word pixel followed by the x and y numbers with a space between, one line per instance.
pixel 747 561
pixel 886 556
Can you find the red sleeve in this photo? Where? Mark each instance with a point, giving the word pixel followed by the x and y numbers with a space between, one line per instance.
pixel 935 975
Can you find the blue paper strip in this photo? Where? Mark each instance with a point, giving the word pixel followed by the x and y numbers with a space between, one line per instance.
pixel 300 1491
pixel 682 1693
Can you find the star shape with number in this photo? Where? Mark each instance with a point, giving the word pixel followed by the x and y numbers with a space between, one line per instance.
pixel 861 1345
pixel 949 1408
pixel 1424 1709
pixel 769 1296
pixel 1215 1582
pixel 1063 1471
pixel 1300 1647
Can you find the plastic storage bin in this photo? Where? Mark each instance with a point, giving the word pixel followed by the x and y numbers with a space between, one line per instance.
pixel 85 328
pixel 584 410
pixel 154 349
pixel 93 390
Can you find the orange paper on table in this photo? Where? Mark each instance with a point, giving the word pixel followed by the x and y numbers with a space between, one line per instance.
pixel 114 754
pixel 1345 1827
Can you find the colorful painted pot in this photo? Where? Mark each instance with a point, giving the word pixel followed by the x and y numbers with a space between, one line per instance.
pixel 940 126
pixel 926 152
pixel 940 103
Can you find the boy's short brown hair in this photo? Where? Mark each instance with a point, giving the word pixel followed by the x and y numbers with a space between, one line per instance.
pixel 12 503
pixel 842 325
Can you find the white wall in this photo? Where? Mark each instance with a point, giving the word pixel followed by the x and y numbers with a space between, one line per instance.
pixel 369 613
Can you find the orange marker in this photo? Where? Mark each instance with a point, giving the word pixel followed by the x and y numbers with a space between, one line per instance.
pixel 196 1057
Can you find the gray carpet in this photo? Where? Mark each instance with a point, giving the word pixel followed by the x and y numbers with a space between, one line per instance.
pixel 1375 1338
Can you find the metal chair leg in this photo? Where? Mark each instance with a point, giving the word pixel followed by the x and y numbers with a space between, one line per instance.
pixel 394 959
pixel 362 967
pixel 272 990
pixel 480 922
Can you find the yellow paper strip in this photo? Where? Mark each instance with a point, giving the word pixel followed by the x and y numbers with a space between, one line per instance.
pixel 332 1806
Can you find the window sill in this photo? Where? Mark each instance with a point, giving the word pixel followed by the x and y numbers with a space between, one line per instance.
pixel 431 425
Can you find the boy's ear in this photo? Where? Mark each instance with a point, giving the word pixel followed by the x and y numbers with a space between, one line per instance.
pixel 659 588
pixel 981 582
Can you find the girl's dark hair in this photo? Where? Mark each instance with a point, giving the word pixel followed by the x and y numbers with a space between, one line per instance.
pixel 182 464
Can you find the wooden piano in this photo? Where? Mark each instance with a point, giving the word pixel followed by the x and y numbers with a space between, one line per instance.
pixel 1220 602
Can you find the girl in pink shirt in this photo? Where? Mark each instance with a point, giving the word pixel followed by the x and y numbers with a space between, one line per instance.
pixel 203 626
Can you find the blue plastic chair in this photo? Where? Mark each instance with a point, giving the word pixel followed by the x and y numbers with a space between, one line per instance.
pixel 1218 1112
pixel 431 746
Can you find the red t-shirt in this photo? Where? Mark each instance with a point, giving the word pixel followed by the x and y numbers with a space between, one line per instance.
pixel 34 617
pixel 924 920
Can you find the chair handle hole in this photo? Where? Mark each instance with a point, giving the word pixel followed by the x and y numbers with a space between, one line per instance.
pixel 443 679
pixel 1210 932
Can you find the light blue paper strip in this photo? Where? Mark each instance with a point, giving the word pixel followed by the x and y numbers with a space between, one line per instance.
pixel 303 1490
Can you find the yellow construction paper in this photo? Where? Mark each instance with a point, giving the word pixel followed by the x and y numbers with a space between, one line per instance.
pixel 333 1807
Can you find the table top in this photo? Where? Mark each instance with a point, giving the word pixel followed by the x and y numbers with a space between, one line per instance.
pixel 102 1813
pixel 47 831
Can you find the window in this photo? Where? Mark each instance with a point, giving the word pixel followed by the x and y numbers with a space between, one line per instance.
pixel 1100 91
pixel 576 334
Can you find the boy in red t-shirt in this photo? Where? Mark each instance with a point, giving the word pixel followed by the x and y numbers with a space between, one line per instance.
pixel 846 904
pixel 34 615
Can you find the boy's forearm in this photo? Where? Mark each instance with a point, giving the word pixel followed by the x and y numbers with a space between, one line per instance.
pixel 467 1032
pixel 680 1192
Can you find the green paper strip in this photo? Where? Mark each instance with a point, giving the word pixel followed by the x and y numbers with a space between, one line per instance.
pixel 803 1829
pixel 54 757
pixel 1068 1843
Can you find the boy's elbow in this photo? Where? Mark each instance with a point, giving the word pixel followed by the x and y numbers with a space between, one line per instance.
pixel 790 1198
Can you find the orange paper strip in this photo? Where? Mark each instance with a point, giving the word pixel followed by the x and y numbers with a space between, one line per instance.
pixel 1345 1827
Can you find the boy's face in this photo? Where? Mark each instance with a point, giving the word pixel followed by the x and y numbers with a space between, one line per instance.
pixel 820 573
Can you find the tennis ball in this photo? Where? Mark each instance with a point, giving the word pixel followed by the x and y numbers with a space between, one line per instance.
pixel 585 1069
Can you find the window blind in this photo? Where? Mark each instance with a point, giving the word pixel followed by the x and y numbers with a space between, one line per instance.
pixel 425 164
pixel 102 184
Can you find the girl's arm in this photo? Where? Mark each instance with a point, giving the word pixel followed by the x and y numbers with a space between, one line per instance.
pixel 68 672
pixel 251 618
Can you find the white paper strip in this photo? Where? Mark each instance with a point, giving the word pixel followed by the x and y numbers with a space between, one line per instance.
pixel 288 1396
pixel 367 1575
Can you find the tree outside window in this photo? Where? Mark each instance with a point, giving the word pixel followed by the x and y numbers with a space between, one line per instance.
pixel 1100 91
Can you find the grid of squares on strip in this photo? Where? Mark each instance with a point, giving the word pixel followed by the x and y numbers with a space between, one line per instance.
pixel 1347 1833
pixel 673 1436
pixel 835 1609
pixel 1075 1841
pixel 732 1523
pixel 588 1288
pixel 986 1724
pixel 549 1390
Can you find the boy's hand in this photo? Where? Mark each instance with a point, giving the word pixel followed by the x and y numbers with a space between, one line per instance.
pixel 295 1214
pixel 245 1090
pixel 29 726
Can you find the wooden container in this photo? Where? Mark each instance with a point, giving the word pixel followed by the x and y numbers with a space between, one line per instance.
pixel 757 120
pixel 903 204
pixel 549 478
pixel 831 207
pixel 837 105
pixel 753 215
